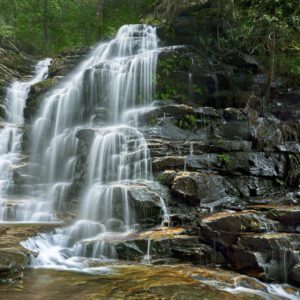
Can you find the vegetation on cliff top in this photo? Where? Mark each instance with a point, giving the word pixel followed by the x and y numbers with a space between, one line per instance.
pixel 51 25
pixel 268 29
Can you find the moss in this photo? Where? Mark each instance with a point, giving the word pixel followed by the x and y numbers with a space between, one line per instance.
pixel 188 122
pixel 223 157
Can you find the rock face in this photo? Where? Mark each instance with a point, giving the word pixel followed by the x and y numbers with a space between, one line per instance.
pixel 60 66
pixel 14 64
pixel 13 257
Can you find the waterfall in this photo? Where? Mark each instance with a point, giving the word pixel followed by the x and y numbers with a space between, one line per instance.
pixel 115 79
pixel 11 136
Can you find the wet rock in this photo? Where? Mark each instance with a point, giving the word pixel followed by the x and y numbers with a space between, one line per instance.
pixel 167 177
pixel 270 241
pixel 234 222
pixel 199 189
pixel 86 135
pixel 245 261
pixel 162 163
pixel 257 164
pixel 267 133
pixel 250 186
pixel 224 227
pixel 163 244
pixel 235 130
pixel 285 214
pixel 145 204
pixel 294 275
pixel 234 114
pixel 12 264
pixel 290 147
pixel 13 257
pixel 66 61
pixel 36 94
pixel 276 253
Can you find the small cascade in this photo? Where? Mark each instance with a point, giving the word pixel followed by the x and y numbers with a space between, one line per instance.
pixel 147 257
pixel 103 97
pixel 11 138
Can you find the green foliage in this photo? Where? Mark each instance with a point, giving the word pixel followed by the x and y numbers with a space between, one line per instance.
pixel 5 30
pixel 51 25
pixel 223 157
pixel 153 120
pixel 188 122
pixel 161 179
pixel 269 29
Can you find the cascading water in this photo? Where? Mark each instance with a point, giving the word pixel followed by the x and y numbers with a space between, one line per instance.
pixel 11 137
pixel 116 78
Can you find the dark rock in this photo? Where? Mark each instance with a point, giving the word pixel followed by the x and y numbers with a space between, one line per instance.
pixel 288 214
pixel 66 61
pixel 294 275
pixel 86 134
pixel 163 163
pixel 276 253
pixel 241 61
pixel 234 114
pixel 36 94
pixel 167 177
pixel 243 260
pixel 250 186
pixel 200 189
pixel 257 164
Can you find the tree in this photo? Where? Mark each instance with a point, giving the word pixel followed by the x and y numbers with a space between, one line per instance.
pixel 269 26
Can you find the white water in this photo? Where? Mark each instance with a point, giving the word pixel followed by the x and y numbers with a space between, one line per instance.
pixel 117 79
pixel 11 136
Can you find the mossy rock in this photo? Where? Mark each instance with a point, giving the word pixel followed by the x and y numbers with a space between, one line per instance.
pixel 36 95
pixel 183 75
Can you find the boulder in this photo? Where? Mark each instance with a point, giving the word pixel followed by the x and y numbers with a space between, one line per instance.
pixel 12 264
pixel 200 189
pixel 285 214
pixel 294 275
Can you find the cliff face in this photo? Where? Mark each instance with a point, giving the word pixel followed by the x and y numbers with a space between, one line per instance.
pixel 227 162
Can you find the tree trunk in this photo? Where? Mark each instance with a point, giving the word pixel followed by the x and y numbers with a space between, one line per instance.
pixel 100 17
pixel 45 26
pixel 271 48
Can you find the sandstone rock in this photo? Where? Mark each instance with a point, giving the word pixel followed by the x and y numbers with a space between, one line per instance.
pixel 12 263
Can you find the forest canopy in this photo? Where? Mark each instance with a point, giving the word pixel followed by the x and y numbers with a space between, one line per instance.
pixel 51 25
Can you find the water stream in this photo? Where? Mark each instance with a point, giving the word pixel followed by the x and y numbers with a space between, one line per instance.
pixel 117 78
pixel 11 138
